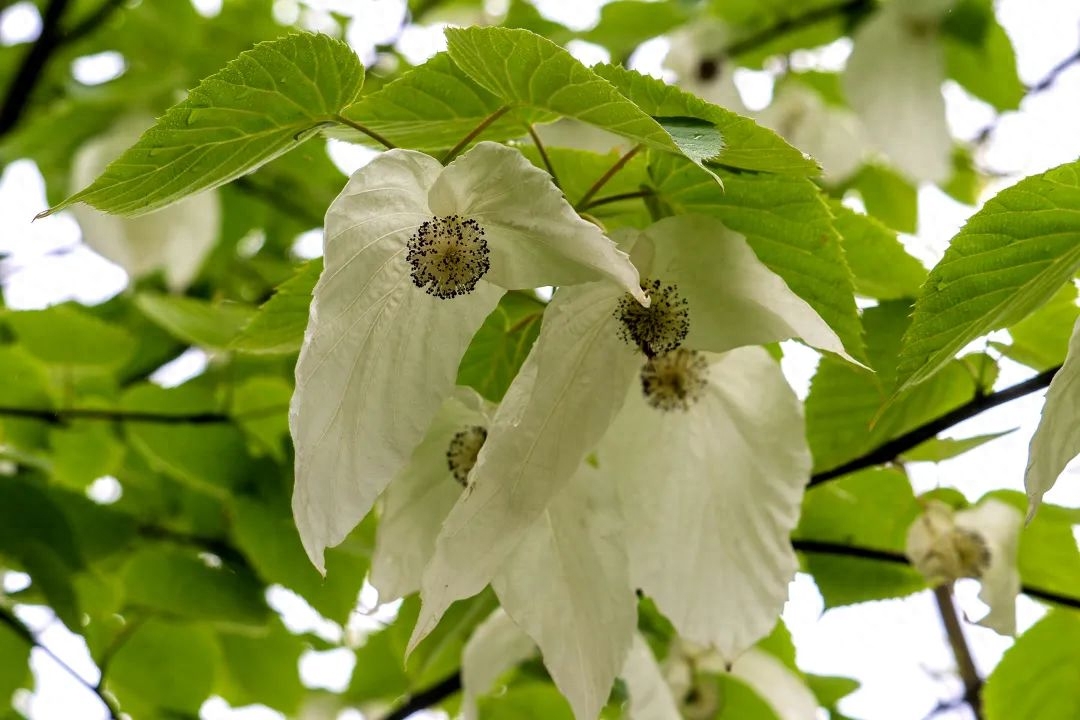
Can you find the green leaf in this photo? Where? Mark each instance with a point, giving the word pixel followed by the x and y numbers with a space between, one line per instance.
pixel 625 24
pixel 1041 340
pixel 260 406
pixel 198 322
pixel 986 69
pixel 501 345
pixel 829 689
pixel 434 106
pixel 83 452
pixel 379 672
pixel 278 326
pixel 938 449
pixel 1048 557
pixel 262 668
pixel 51 577
pixel 29 515
pixel 881 267
pixel 14 662
pixel 870 509
pixel 787 223
pixel 67 335
pixel 26 385
pixel 889 197
pixel 526 701
pixel 1010 258
pixel 267 535
pixel 522 68
pixel 179 583
pixel 844 415
pixel 261 105
pixel 1037 677
pixel 743 143
pixel 965 184
pixel 739 701
pixel 164 665
pixel 210 456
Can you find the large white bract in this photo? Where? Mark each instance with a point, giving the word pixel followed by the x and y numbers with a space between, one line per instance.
pixel 174 240
pixel 416 256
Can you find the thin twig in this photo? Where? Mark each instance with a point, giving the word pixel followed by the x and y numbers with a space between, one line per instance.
pixel 1044 84
pixel 889 451
pixel 965 664
pixel 33 65
pixel 51 39
pixel 65 416
pixel 849 8
pixel 543 155
pixel 361 128
pixel 474 133
pixel 27 635
pixel 608 199
pixel 603 179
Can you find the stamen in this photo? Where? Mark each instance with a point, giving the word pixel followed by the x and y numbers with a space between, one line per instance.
pixel 972 553
pixel 675 380
pixel 659 328
pixel 448 255
pixel 462 452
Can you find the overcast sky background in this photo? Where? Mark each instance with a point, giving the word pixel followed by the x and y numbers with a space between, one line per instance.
pixel 895 648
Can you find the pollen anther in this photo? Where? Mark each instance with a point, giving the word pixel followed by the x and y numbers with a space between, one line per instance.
pixel 462 452
pixel 659 328
pixel 448 256
pixel 675 380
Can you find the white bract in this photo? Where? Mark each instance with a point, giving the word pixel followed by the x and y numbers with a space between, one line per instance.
pixel 416 256
pixel 696 56
pixel 566 584
pixel 1057 439
pixel 893 81
pixel 980 542
pixel 834 136
pixel 175 239
pixel 710 294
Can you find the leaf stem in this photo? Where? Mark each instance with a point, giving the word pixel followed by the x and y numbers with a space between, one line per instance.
pixel 618 165
pixel 365 130
pixel 474 133
pixel 544 156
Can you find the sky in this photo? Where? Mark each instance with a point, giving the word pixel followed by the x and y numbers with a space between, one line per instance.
pixel 896 648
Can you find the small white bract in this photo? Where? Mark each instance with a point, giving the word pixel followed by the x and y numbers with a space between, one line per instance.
pixel 979 542
pixel 416 256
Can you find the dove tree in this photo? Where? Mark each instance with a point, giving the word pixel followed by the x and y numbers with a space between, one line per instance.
pixel 510 385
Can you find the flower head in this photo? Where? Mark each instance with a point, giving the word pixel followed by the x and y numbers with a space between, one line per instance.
pixel 595 377
pixel 979 542
pixel 416 256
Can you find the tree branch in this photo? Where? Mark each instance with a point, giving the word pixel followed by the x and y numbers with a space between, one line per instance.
pixel 63 417
pixel 973 682
pixel 8 618
pixel 889 451
pixel 52 38
pixel 427 697
pixel 451 684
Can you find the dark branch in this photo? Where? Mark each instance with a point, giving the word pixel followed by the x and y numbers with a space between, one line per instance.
pixel 848 9
pixel 33 65
pixel 973 682
pixel 1055 72
pixel 52 38
pixel 27 635
pixel 427 697
pixel 63 417
pixel 448 686
pixel 888 452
